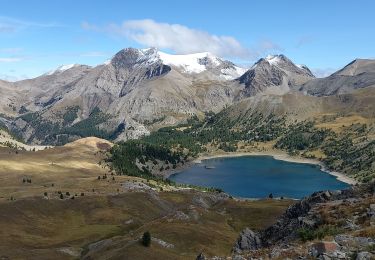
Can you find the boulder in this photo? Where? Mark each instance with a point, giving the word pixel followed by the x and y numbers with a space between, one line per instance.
pixel 371 211
pixel 201 257
pixel 324 247
pixel 364 256
pixel 354 243
pixel 248 240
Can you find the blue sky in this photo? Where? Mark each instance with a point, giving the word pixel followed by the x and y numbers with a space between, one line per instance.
pixel 37 36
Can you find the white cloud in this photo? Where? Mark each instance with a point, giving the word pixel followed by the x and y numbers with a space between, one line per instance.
pixel 180 39
pixel 11 50
pixel 12 25
pixel 11 59
pixel 7 28
pixel 12 78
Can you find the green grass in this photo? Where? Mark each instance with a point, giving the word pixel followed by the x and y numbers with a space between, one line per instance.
pixel 306 234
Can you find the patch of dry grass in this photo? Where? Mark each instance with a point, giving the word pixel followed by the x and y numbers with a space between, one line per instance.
pixel 123 218
pixel 73 168
pixel 340 123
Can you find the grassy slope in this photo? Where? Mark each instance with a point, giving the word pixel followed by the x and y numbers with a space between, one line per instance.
pixel 72 168
pixel 75 223
pixel 33 227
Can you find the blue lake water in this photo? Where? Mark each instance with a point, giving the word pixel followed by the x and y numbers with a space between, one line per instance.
pixel 258 176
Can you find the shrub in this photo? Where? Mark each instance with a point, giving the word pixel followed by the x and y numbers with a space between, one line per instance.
pixel 307 234
pixel 146 239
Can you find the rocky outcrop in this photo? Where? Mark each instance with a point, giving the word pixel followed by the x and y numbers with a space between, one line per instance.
pixel 248 240
pixel 303 215
pixel 282 237
pixel 201 256
pixel 321 248
pixel 343 247
pixel 296 216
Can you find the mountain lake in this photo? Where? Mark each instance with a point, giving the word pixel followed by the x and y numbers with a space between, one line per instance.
pixel 259 176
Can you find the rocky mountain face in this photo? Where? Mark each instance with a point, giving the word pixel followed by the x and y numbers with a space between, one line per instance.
pixel 274 74
pixel 132 67
pixel 136 91
pixel 345 216
pixel 37 93
pixel 140 90
pixel 358 74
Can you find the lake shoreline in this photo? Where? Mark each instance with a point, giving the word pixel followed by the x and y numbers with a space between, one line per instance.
pixel 277 156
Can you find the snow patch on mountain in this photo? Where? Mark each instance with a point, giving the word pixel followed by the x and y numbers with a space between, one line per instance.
pixel 273 59
pixel 200 62
pixel 232 73
pixel 62 68
pixel 189 62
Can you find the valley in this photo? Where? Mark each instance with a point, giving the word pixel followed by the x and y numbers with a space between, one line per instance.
pixel 71 209
pixel 86 152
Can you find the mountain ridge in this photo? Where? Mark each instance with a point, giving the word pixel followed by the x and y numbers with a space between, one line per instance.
pixel 360 73
pixel 141 90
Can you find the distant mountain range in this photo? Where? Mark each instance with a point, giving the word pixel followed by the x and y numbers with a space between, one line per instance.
pixel 360 73
pixel 140 90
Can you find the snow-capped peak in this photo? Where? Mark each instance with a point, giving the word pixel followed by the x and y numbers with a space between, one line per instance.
pixel 199 62
pixel 190 63
pixel 273 59
pixel 62 68
pixel 187 63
